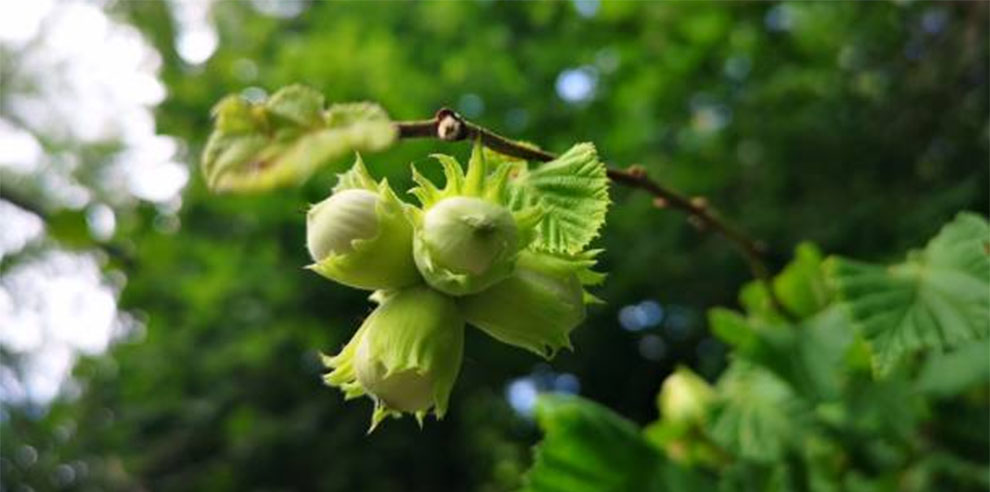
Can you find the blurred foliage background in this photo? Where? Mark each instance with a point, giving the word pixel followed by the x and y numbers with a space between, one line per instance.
pixel 861 127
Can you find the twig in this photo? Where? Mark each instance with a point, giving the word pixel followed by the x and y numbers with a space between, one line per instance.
pixel 449 126
pixel 23 203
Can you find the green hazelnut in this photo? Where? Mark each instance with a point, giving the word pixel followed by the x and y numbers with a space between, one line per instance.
pixel 406 355
pixel 535 308
pixel 465 245
pixel 335 223
pixel 361 235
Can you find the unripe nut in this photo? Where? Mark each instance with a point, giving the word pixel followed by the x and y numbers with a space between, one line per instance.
pixel 333 224
pixel 467 237
pixel 535 308
pixel 406 391
pixel 362 239
pixel 409 352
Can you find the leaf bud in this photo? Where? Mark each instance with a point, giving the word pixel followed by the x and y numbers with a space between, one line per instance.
pixel 685 397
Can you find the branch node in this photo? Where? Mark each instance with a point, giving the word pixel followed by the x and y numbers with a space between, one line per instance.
pixel 636 171
pixel 699 202
pixel 450 125
pixel 660 202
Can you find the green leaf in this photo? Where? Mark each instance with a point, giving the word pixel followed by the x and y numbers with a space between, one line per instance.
pixel 364 126
pixel 957 371
pixel 589 448
pixel 731 327
pixel 810 354
pixel 298 105
pixel 757 416
pixel 890 406
pixel 800 286
pixel 572 190
pixel 936 299
pixel 285 139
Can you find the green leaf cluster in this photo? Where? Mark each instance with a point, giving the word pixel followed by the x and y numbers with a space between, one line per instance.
pixel 590 448
pixel 800 406
pixel 937 299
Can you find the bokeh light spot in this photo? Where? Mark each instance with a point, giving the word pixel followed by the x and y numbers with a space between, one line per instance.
pixel 577 85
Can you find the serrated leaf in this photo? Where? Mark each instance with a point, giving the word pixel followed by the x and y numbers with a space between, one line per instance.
pixel 589 448
pixel 936 299
pixel 572 190
pixel 286 138
pixel 757 416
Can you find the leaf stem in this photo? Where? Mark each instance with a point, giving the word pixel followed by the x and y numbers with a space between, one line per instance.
pixel 449 126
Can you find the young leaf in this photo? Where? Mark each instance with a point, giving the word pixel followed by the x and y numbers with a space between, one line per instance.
pixel 589 448
pixel 809 354
pixel 757 416
pixel 732 328
pixel 572 190
pixel 286 138
pixel 801 285
pixel 936 299
pixel 801 288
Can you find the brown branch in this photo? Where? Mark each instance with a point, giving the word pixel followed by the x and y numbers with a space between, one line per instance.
pixel 449 126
